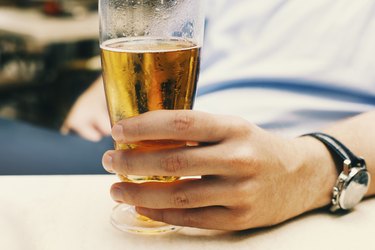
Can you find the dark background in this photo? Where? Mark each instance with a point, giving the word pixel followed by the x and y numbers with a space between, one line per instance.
pixel 39 87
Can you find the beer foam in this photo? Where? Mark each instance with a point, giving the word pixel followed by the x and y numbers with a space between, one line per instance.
pixel 147 45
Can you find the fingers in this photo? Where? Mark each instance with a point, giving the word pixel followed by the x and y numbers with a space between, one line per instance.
pixel 64 129
pixel 89 133
pixel 85 131
pixel 181 125
pixel 187 161
pixel 192 193
pixel 207 217
pixel 102 125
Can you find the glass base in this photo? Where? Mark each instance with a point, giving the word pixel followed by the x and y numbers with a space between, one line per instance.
pixel 126 219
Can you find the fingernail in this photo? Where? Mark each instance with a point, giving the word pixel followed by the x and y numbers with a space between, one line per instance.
pixel 108 163
pixel 117 194
pixel 117 132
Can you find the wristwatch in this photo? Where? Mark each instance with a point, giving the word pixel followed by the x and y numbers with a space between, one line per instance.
pixel 354 179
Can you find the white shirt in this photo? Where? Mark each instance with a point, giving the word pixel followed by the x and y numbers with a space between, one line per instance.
pixel 306 63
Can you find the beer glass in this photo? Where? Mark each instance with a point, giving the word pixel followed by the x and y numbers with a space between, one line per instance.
pixel 150 51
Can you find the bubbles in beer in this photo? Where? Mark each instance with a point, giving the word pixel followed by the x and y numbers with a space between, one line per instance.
pixel 146 74
pixel 149 74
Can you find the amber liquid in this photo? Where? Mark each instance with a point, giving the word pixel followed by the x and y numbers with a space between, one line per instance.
pixel 142 75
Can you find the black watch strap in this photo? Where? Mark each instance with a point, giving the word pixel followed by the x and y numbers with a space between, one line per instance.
pixel 337 149
pixel 353 180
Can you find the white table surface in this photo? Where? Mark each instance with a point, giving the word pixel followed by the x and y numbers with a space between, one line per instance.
pixel 72 212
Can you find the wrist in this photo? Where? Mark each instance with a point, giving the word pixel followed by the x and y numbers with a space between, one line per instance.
pixel 319 172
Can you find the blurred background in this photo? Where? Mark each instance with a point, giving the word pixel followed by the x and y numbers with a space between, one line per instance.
pixel 49 54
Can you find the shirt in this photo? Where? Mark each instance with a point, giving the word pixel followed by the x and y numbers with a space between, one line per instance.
pixel 289 66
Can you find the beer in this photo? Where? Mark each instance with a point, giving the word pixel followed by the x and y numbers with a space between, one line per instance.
pixel 142 75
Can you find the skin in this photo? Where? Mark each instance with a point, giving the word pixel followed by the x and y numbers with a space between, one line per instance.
pixel 89 116
pixel 250 177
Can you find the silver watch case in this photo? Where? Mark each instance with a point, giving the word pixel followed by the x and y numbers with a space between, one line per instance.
pixel 351 186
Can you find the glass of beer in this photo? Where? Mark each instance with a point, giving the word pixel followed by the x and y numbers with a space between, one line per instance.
pixel 150 51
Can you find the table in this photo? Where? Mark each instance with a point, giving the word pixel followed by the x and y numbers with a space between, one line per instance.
pixel 72 212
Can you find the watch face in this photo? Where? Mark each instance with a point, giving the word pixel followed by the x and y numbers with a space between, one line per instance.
pixel 354 190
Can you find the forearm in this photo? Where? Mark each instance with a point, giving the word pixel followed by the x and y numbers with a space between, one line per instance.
pixel 357 134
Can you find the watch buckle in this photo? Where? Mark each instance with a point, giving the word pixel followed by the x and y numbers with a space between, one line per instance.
pixel 339 185
pixel 347 166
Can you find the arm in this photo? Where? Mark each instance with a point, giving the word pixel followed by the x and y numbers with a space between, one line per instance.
pixel 251 178
pixel 88 116
pixel 358 135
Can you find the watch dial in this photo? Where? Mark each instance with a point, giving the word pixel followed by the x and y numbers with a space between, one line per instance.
pixel 355 190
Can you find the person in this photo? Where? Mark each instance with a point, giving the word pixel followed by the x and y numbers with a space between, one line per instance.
pixel 49 152
pixel 287 68
pixel 300 67
pixel 30 150
pixel 89 117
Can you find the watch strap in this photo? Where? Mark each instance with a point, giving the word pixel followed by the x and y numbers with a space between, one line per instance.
pixel 352 173
pixel 337 149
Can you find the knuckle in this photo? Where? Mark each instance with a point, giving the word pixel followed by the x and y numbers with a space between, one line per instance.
pixel 127 164
pixel 241 219
pixel 242 160
pixel 237 161
pixel 133 197
pixel 180 199
pixel 137 129
pixel 174 164
pixel 241 126
pixel 242 189
pixel 182 121
pixel 123 163
pixel 132 128
pixel 188 219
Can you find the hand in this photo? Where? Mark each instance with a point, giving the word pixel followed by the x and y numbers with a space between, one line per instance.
pixel 250 177
pixel 89 115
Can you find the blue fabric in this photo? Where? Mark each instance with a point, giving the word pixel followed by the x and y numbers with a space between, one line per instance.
pixel 29 150
pixel 293 85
